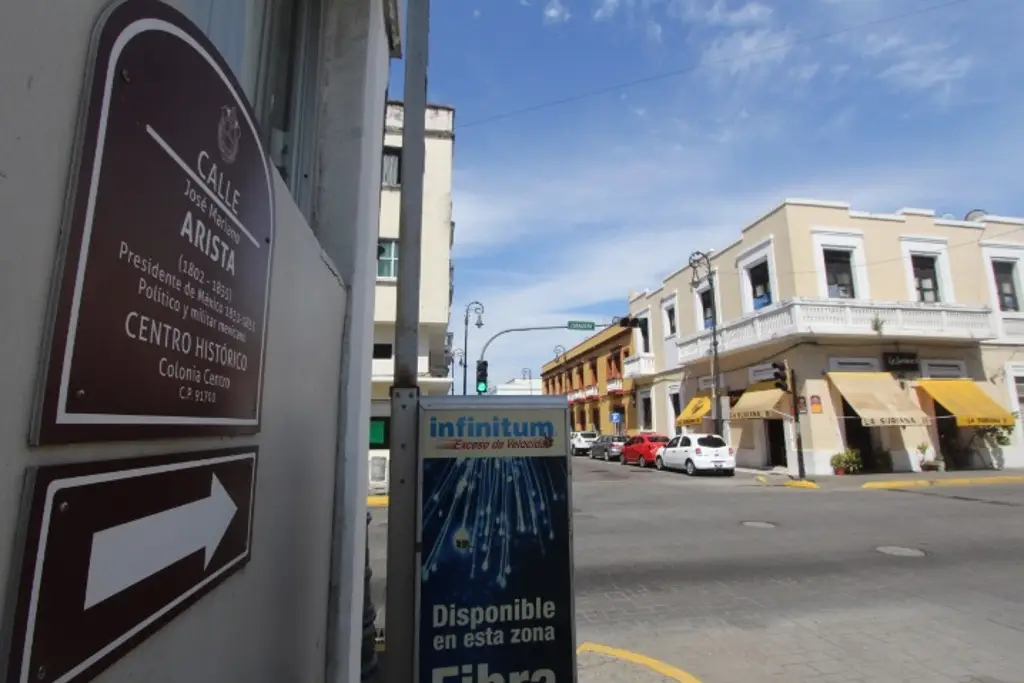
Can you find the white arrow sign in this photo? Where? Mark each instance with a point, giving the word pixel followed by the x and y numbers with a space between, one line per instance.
pixel 126 554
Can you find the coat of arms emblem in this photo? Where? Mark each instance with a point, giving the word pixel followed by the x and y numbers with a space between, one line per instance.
pixel 229 132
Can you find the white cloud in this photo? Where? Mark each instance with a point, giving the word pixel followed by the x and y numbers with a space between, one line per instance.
pixel 743 50
pixel 654 31
pixel 750 13
pixel 805 72
pixel 555 12
pixel 606 10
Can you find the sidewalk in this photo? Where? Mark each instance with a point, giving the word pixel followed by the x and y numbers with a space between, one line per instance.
pixel 600 664
pixel 900 480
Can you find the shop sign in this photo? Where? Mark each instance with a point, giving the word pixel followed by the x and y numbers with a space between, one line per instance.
pixel 158 320
pixel 815 404
pixel 900 362
pixel 801 405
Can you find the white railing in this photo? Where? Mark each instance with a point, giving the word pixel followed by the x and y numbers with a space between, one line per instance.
pixel 575 395
pixel 639 365
pixel 614 385
pixel 846 318
pixel 590 391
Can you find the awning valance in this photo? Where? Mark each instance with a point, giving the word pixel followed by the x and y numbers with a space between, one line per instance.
pixel 878 399
pixel 968 403
pixel 761 401
pixel 695 410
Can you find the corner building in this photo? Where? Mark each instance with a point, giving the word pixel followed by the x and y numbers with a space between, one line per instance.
pixel 904 331
pixel 590 376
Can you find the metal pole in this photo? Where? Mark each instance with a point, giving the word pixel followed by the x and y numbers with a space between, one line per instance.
pixel 716 409
pixel 471 307
pixel 399 665
pixel 794 393
pixel 528 376
pixel 483 351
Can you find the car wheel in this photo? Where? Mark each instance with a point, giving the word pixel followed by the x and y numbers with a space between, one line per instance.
pixel 606 456
pixel 641 461
pixel 659 463
pixel 729 473
pixel 690 469
pixel 622 459
pixel 572 451
pixel 591 454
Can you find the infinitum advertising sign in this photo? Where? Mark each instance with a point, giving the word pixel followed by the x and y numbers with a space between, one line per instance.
pixel 495 565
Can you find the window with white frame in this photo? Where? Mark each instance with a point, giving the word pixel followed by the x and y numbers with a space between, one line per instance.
pixel 646 411
pixel 841 264
pixel 926 259
pixel 707 309
pixel 756 267
pixel 668 317
pixel 943 369
pixel 387 259
pixel 643 332
pixel 391 167
pixel 853 365
pixel 1005 275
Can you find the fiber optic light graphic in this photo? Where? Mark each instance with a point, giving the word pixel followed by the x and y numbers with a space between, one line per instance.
pixel 479 510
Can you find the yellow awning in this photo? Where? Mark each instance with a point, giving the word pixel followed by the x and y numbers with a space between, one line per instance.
pixel 878 399
pixel 968 402
pixel 761 401
pixel 695 410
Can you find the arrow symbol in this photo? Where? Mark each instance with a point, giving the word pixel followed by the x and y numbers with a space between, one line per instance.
pixel 126 554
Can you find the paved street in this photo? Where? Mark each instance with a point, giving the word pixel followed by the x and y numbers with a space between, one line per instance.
pixel 735 582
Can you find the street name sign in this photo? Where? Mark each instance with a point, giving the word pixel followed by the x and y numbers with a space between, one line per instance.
pixel 113 550
pixel 582 325
pixel 158 316
pixel 495 572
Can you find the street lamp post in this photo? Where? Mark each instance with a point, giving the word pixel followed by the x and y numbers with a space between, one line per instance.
pixel 456 355
pixel 701 261
pixel 528 376
pixel 476 308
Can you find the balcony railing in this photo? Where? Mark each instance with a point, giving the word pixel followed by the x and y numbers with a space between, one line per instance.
pixel 639 365
pixel 575 396
pixel 614 385
pixel 844 318
pixel 590 391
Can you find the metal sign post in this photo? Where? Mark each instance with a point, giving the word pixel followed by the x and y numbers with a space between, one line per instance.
pixel 495 568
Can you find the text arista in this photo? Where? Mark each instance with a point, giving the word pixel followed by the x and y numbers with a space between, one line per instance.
pixel 208 242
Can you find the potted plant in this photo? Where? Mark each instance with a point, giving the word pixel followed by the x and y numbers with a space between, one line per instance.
pixel 934 465
pixel 847 462
pixel 838 463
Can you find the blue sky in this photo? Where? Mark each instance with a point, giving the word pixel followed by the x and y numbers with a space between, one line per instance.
pixel 561 210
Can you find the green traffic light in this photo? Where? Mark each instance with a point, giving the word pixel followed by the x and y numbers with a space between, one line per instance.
pixel 481 387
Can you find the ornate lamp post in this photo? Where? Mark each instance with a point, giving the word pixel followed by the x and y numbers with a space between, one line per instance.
pixel 477 308
pixel 699 261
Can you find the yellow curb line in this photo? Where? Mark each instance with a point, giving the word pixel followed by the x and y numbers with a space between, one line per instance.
pixel 657 665
pixel 376 501
pixel 958 481
pixel 801 484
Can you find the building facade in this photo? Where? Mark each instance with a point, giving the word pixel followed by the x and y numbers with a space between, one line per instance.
pixel 314 74
pixel 904 332
pixel 591 375
pixel 436 280
pixel 518 387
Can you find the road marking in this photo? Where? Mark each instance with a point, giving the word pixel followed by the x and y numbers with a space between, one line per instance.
pixel 656 665
pixel 954 481
pixel 376 501
pixel 801 484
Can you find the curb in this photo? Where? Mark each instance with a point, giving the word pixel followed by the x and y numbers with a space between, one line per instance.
pixel 656 665
pixel 789 483
pixel 376 501
pixel 955 481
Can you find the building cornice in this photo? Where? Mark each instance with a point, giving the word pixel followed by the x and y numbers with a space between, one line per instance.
pixel 393 28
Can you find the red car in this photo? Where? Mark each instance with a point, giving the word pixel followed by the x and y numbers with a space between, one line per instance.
pixel 642 449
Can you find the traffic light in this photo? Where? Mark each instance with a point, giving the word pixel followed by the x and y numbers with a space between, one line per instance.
pixel 481 377
pixel 630 321
pixel 781 375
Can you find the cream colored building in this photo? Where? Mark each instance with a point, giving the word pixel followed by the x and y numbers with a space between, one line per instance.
pixel 436 278
pixel 883 318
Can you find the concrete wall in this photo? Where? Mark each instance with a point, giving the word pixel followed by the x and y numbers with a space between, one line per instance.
pixel 268 623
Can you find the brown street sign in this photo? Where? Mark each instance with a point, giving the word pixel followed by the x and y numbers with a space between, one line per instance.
pixel 115 549
pixel 159 313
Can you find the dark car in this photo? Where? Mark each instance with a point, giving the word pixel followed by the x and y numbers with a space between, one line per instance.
pixel 608 447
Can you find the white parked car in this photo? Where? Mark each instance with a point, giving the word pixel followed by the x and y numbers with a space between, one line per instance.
pixel 697 453
pixel 579 442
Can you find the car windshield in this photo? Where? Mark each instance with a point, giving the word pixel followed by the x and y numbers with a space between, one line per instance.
pixel 711 441
pixel 658 439
pixel 588 435
pixel 620 439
